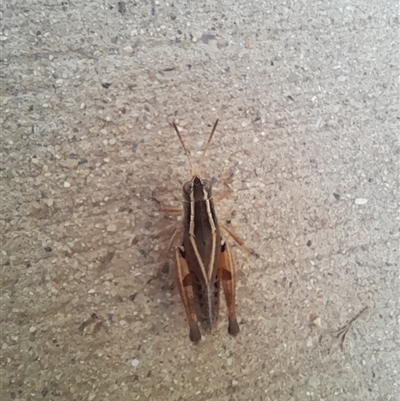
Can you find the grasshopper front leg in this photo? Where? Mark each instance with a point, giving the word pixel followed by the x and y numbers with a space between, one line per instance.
pixel 227 276
pixel 185 284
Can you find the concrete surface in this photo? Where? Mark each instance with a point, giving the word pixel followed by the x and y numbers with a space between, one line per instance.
pixel 307 97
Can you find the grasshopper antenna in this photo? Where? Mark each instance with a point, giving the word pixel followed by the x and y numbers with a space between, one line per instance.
pixel 206 147
pixel 185 149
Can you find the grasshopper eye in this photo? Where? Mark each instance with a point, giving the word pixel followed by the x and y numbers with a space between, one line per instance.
pixel 188 187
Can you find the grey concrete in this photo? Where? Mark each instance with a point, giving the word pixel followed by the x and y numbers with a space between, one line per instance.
pixel 307 97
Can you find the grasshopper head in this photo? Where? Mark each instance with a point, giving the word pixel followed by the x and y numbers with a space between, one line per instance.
pixel 197 189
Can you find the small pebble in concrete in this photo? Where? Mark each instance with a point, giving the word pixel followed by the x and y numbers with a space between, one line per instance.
pixel 293 78
pixel 361 201
pixel 128 49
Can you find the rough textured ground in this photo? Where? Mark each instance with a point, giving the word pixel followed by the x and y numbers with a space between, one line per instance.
pixel 307 97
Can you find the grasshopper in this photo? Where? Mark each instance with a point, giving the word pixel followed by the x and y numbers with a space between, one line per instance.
pixel 204 259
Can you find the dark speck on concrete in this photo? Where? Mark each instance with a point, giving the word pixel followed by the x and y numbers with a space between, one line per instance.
pixel 205 38
pixel 73 156
pixel 121 7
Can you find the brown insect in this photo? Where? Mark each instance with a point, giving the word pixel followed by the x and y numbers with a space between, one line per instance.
pixel 204 259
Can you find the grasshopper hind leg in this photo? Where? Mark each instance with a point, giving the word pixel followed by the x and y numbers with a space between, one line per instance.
pixel 194 334
pixel 233 327
pixel 227 276
pixel 185 284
